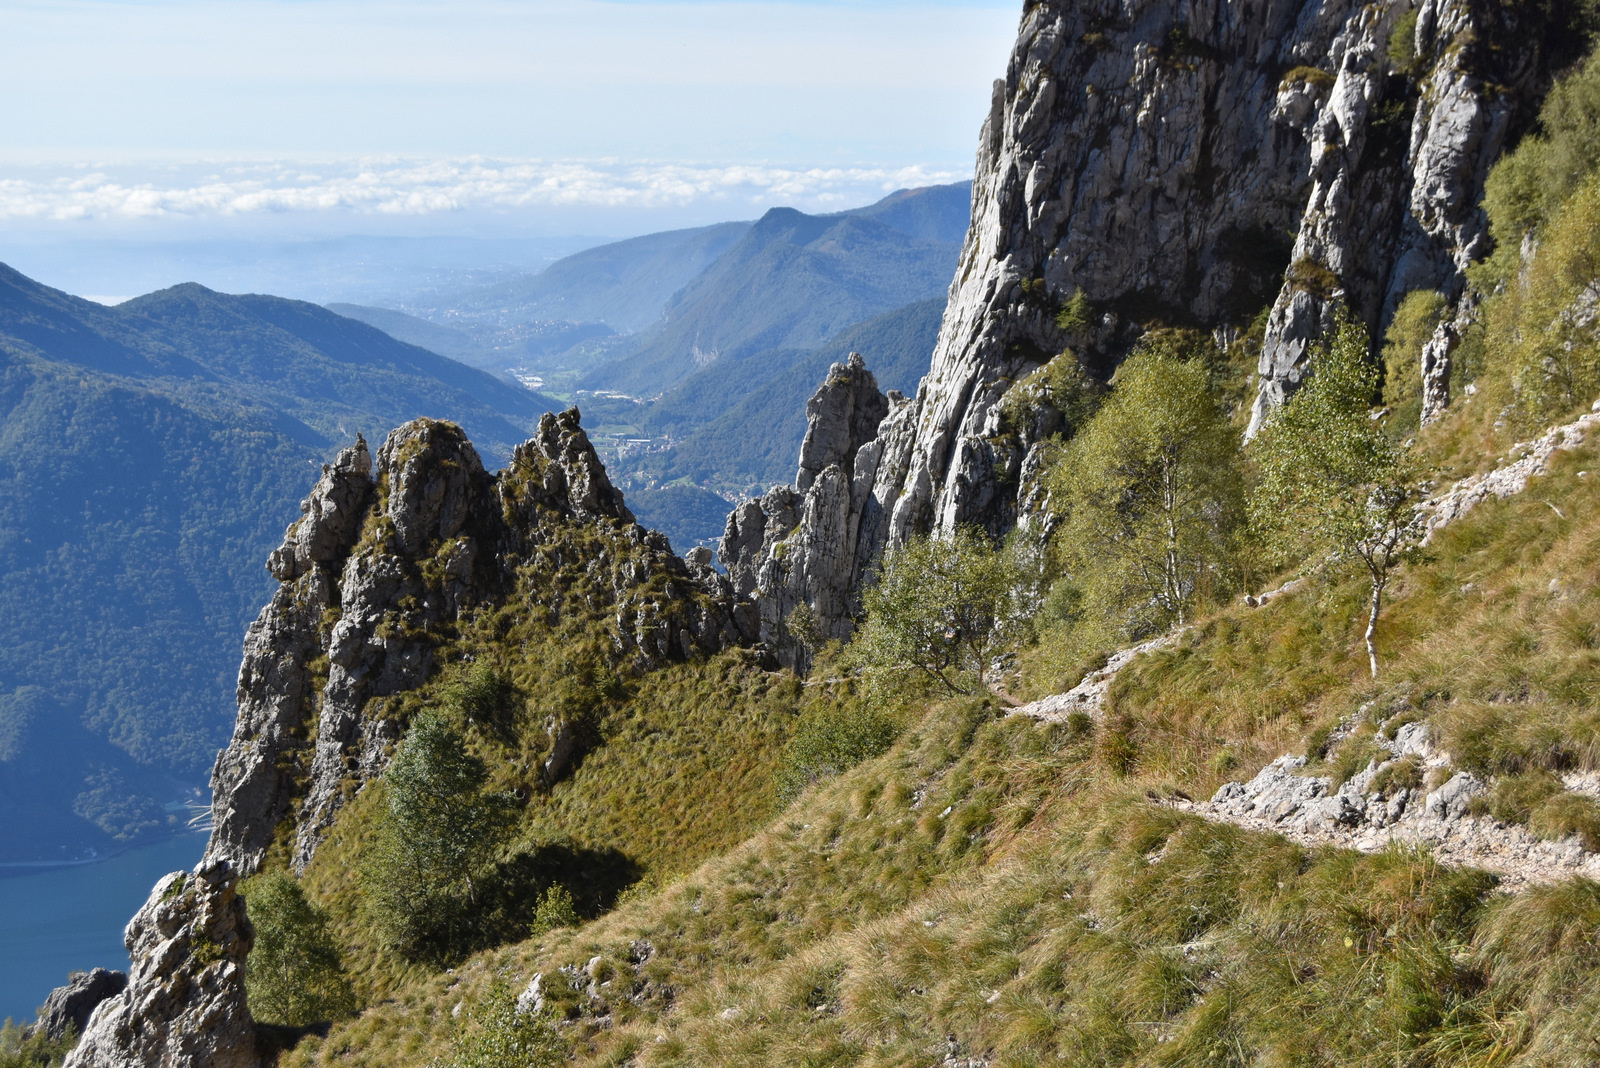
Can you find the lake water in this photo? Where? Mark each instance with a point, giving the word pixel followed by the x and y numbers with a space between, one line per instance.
pixel 57 920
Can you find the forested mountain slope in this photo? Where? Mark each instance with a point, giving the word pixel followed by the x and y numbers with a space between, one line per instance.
pixel 149 454
pixel 792 281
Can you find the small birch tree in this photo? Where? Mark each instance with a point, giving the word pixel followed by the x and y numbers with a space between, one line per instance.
pixel 944 607
pixel 1334 489
pixel 1151 495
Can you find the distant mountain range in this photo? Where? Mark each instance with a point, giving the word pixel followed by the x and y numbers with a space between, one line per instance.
pixel 150 455
pixel 791 282
pixel 732 327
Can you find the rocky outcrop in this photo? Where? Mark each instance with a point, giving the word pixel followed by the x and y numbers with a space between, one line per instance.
pixel 1398 162
pixel 796 547
pixel 385 560
pixel 1409 794
pixel 373 577
pixel 1191 164
pixel 278 676
pixel 69 1007
pixel 1527 460
pixel 184 1002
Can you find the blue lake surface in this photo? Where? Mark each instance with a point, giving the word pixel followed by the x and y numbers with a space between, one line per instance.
pixel 57 920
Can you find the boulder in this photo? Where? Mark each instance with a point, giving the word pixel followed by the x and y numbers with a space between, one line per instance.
pixel 69 1007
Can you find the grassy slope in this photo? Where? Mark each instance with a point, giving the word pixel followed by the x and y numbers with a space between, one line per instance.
pixel 993 888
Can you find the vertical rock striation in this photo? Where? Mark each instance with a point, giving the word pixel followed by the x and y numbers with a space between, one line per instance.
pixel 797 544
pixel 1191 164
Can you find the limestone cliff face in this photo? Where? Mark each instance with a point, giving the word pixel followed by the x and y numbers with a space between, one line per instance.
pixel 374 576
pixel 1181 163
pixel 797 544
pixel 184 1003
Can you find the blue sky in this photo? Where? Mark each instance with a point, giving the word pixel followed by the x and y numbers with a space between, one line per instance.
pixel 427 115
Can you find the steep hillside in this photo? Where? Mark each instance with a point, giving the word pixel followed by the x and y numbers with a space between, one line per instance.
pixel 624 284
pixel 792 281
pixel 1141 708
pixel 150 452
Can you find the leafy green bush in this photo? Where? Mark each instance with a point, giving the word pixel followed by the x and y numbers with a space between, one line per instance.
pixel 1076 314
pixel 1403 42
pixel 555 910
pixel 1062 384
pixel 486 698
pixel 1527 186
pixel 498 1035
pixel 295 976
pixel 831 739
pixel 943 608
pixel 438 836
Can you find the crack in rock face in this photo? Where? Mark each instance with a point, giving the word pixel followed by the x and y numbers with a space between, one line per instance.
pixel 1155 164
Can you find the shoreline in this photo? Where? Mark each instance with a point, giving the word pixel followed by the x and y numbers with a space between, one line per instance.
pixel 29 867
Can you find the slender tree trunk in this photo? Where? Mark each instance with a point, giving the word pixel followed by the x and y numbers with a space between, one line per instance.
pixel 1372 623
pixel 1174 580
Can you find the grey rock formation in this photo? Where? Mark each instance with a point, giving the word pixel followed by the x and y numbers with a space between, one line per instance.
pixel 1186 164
pixel 1397 173
pixel 278 682
pixel 184 1003
pixel 797 544
pixel 69 1007
pixel 383 561
pixel 1436 365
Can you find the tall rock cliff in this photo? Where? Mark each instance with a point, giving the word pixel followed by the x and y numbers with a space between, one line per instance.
pixel 373 580
pixel 1147 162
pixel 387 564
pixel 797 545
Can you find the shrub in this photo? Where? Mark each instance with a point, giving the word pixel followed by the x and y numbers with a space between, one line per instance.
pixel 498 1035
pixel 19 1049
pixel 944 608
pixel 295 976
pixel 487 699
pixel 436 838
pixel 1076 314
pixel 555 910
pixel 832 739
pixel 1403 42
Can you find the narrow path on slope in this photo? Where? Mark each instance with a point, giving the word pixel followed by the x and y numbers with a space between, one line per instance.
pixel 1312 811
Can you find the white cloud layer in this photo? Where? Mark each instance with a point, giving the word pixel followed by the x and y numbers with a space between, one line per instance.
pixel 400 188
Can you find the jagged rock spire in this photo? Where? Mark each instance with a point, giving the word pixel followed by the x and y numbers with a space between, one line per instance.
pixel 797 544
